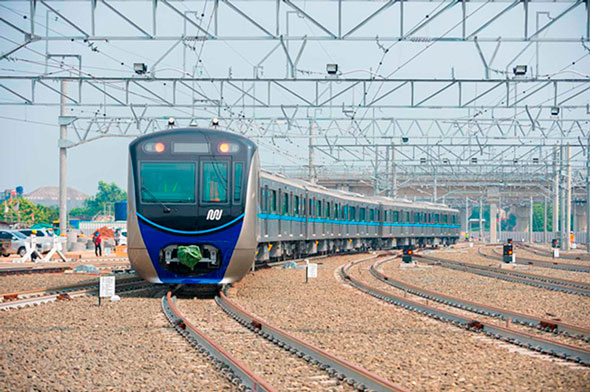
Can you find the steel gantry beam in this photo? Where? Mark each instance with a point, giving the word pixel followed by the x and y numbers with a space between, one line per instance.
pixel 310 93
pixel 332 19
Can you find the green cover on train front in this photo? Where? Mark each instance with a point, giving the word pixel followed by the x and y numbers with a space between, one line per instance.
pixel 189 255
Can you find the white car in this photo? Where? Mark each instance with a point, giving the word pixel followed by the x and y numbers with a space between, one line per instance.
pixel 44 238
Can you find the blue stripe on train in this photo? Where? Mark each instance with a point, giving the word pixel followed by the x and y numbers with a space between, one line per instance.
pixel 156 238
pixel 341 222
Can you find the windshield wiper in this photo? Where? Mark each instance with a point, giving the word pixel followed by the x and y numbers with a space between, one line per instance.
pixel 166 208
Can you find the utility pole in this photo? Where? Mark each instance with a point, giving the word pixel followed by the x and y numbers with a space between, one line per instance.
pixel 568 205
pixel 531 221
pixel 588 195
pixel 545 219
pixel 393 172
pixel 311 152
pixel 63 160
pixel 563 235
pixel 555 212
pixel 481 218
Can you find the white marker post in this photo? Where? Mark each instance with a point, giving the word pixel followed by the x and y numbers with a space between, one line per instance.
pixel 311 270
pixel 106 287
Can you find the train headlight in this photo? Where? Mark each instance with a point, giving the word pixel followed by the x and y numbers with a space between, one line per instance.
pixel 225 148
pixel 158 147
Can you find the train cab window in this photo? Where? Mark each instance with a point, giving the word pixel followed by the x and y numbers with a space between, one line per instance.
pixel 238 174
pixel 262 200
pixel 273 201
pixel 214 182
pixel 168 182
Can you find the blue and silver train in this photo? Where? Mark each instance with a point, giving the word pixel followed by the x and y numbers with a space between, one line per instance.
pixel 204 188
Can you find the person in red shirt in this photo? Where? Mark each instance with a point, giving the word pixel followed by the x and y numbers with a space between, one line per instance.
pixel 97 240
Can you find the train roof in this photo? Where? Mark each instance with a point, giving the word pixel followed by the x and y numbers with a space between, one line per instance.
pixel 304 185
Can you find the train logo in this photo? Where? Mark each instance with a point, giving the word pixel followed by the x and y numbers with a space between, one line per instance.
pixel 214 214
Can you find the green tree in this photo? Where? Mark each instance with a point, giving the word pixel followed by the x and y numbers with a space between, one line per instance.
pixel 107 194
pixel 22 210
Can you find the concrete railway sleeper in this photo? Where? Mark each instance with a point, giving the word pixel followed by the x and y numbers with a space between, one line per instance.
pixel 542 345
pixel 37 297
pixel 553 326
pixel 537 263
pixel 545 282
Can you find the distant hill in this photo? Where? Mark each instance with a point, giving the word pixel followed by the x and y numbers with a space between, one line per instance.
pixel 49 196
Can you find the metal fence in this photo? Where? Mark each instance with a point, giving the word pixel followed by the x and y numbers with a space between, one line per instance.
pixel 538 236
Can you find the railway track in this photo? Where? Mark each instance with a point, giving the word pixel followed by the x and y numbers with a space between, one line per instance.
pixel 309 360
pixel 538 263
pixel 30 270
pixel 541 281
pixel 540 252
pixel 39 296
pixel 522 339
pixel 547 325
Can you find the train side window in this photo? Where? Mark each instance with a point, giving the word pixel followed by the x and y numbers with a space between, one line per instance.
pixel 238 173
pixel 395 218
pixel 262 200
pixel 407 216
pixel 319 208
pixel 285 210
pixel 353 213
pixel 363 213
pixel 273 201
pixel 215 182
pixel 296 206
pixel 327 209
pixel 371 215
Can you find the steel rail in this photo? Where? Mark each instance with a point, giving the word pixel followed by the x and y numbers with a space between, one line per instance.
pixel 334 366
pixel 70 292
pixel 27 270
pixel 539 263
pixel 542 345
pixel 232 368
pixel 540 252
pixel 545 282
pixel 547 325
pixel 58 289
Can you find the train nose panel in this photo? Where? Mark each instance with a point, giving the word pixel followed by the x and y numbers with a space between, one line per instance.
pixel 216 247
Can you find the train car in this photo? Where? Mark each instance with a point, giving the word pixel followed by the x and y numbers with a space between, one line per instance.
pixel 200 211
pixel 192 196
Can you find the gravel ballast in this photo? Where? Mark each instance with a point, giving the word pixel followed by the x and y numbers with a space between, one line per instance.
pixel 411 350
pixel 78 346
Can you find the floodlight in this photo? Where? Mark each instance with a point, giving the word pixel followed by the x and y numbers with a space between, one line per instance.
pixel 139 68
pixel 535 161
pixel 405 139
pixel 474 160
pixel 215 122
pixel 446 161
pixel 332 69
pixel 422 161
pixel 193 123
pixel 171 122
pixel 520 70
pixel 555 111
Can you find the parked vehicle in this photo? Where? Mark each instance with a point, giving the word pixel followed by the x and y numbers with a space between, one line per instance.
pixel 12 242
pixel 44 238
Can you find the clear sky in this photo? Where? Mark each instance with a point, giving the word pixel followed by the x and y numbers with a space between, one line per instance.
pixel 29 153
